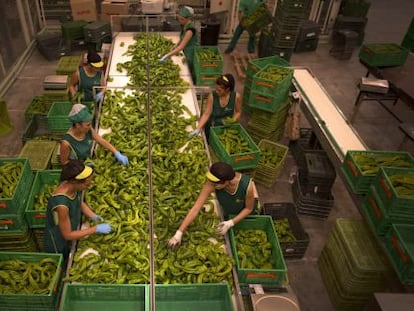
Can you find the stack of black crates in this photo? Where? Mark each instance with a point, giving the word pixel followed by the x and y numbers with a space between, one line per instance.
pixel 97 33
pixel 349 28
pixel 308 36
pixel 281 38
pixel 314 177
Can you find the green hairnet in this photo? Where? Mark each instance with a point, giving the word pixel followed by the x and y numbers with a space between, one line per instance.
pixel 186 11
pixel 79 113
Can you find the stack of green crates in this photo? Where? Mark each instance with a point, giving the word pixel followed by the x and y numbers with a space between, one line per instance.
pixel 22 240
pixel 51 96
pixel 357 162
pixel 73 30
pixel 35 213
pixel 276 275
pixel 16 173
pixel 208 65
pixel 271 163
pixel 254 66
pixel 352 265
pixel 239 161
pixel 383 54
pixel 67 65
pixel 399 245
pixel 268 125
pixel 270 87
pixel 408 41
pixel 33 301
pixel 39 153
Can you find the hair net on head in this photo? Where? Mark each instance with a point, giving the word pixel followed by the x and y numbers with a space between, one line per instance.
pixel 186 11
pixel 79 113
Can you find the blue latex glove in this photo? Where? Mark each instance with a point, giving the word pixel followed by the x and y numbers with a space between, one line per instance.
pixel 121 158
pixel 99 97
pixel 162 59
pixel 194 133
pixel 97 218
pixel 103 228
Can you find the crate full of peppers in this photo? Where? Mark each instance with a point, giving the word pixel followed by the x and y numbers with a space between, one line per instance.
pixel 257 252
pixel 233 145
pixel 208 60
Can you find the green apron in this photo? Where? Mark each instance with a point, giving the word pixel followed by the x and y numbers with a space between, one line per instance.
pixel 80 149
pixel 232 204
pixel 219 113
pixel 54 241
pixel 87 83
pixel 189 48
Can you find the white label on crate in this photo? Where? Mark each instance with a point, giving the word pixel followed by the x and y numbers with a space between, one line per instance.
pixel 4 227
pixel 311 34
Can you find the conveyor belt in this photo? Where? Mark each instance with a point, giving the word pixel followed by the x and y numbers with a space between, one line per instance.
pixel 331 122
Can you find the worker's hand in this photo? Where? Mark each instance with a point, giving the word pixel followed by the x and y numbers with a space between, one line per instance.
pixel 162 59
pixel 228 121
pixel 99 97
pixel 175 241
pixel 121 158
pixel 97 218
pixel 224 226
pixel 194 133
pixel 103 228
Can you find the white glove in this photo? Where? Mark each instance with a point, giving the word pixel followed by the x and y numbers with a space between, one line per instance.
pixel 175 241
pixel 99 97
pixel 224 226
pixel 194 133
pixel 162 59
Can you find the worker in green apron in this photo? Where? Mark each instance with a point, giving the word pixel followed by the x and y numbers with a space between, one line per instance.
pixel 87 77
pixel 246 7
pixel 78 141
pixel 64 210
pixel 188 37
pixel 223 106
pixel 235 192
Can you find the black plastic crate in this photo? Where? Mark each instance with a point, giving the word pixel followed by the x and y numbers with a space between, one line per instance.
pixel 307 45
pixel 356 24
pixel 319 168
pixel 307 142
pixel 309 30
pixel 295 249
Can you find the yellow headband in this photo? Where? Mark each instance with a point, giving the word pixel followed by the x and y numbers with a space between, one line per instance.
pixel 211 177
pixel 225 78
pixel 87 171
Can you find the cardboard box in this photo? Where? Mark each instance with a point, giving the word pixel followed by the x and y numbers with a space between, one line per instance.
pixel 84 10
pixel 113 8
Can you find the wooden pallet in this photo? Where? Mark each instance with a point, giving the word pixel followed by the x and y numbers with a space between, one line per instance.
pixel 241 61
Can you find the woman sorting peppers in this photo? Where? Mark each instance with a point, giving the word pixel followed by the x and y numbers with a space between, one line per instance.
pixel 223 106
pixel 235 193
pixel 64 210
pixel 77 142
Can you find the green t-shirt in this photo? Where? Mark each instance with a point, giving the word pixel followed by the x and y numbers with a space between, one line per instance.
pixel 248 6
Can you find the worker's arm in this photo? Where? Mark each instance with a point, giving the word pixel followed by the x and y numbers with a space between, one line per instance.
pixel 103 142
pixel 182 44
pixel 64 151
pixel 74 80
pixel 237 107
pixel 249 204
pixel 65 226
pixel 207 112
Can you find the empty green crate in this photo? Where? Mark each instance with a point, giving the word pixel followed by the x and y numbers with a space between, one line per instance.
pixel 39 153
pixel 51 96
pixel 10 205
pixel 208 60
pixel 201 297
pixel 399 244
pixel 240 161
pixel 389 194
pixel 354 173
pixel 274 276
pixel 383 54
pixel 58 117
pixel 73 30
pixel 272 80
pixel 121 297
pixel 67 65
pixel 42 179
pixel 33 301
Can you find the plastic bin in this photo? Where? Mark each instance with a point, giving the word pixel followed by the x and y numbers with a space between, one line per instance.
pixel 36 218
pixel 274 276
pixel 57 118
pixel 95 31
pixel 239 161
pixel 202 297
pixel 208 60
pixel 209 33
pixel 294 249
pixel 122 297
pixel 37 128
pixel 383 54
pixel 73 30
pixel 39 153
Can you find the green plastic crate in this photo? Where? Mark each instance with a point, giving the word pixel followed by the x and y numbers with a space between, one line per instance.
pixel 51 96
pixel 205 79
pixel 38 301
pixel 257 64
pixel 393 202
pixel 13 221
pixel 353 173
pixel 208 65
pixel 269 103
pixel 201 297
pixel 272 86
pixel 67 65
pixel 257 20
pixel 11 204
pixel 399 246
pixel 73 29
pixel 35 218
pixel 39 153
pixel 383 54
pixel 17 242
pixel 241 161
pixel 37 106
pixel 55 160
pixel 120 297
pixel 276 275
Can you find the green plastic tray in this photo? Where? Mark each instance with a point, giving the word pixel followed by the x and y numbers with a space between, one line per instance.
pixel 39 153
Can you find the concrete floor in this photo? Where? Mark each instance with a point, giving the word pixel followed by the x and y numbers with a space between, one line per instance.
pixel 387 22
